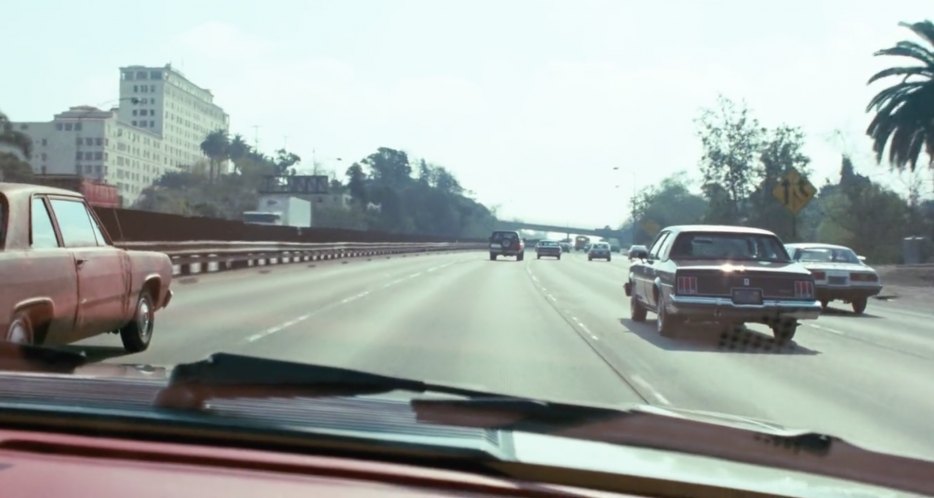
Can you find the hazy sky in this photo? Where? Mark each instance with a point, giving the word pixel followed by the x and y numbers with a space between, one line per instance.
pixel 530 103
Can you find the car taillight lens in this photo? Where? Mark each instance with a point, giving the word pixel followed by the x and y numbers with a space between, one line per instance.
pixel 864 277
pixel 818 275
pixel 687 285
pixel 804 288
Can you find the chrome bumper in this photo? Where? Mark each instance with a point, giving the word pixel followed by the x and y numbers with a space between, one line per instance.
pixel 725 308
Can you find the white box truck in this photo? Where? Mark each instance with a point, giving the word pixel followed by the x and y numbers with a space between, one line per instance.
pixel 284 210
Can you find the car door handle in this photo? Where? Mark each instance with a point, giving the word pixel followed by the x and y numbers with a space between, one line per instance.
pixel 80 262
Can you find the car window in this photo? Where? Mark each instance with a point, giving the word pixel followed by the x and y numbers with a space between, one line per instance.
pixel 74 223
pixel 42 230
pixel 657 246
pixel 729 246
pixel 827 255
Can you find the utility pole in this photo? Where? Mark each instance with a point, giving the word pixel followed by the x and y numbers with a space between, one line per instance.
pixel 256 137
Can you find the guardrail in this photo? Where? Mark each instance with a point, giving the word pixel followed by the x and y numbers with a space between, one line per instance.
pixel 192 257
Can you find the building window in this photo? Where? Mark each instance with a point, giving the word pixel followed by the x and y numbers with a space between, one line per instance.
pixel 152 112
pixel 136 88
pixel 98 155
pixel 152 124
pixel 79 155
pixel 45 142
pixel 155 75
pixel 144 89
pixel 97 169
pixel 89 141
pixel 127 75
pixel 78 126
pixel 140 75
pixel 68 126
pixel 99 141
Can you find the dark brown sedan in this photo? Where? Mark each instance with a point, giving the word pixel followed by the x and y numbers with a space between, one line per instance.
pixel 724 274
pixel 63 280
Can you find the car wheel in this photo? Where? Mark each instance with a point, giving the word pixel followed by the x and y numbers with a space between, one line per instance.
pixel 823 304
pixel 492 257
pixel 538 256
pixel 859 305
pixel 636 310
pixel 20 329
pixel 137 334
pixel 784 331
pixel 608 260
pixel 520 256
pixel 558 257
pixel 666 324
pixel 589 258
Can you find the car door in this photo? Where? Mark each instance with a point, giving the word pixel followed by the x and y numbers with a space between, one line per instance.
pixel 48 273
pixel 643 272
pixel 103 282
pixel 650 268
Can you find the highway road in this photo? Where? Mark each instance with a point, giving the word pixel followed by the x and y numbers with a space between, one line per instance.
pixel 558 330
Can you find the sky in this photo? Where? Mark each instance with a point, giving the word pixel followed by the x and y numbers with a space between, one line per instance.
pixel 551 112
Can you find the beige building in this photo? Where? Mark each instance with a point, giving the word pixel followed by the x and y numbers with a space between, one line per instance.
pixel 158 127
pixel 162 101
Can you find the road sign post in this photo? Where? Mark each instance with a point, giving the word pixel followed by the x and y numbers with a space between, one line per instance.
pixel 794 192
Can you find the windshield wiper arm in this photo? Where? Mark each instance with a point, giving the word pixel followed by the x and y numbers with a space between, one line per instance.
pixel 224 375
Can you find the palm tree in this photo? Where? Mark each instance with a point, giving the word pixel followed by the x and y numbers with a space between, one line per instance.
pixel 905 111
pixel 238 148
pixel 217 147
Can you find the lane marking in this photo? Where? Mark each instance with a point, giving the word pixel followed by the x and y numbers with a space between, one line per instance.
pixel 327 307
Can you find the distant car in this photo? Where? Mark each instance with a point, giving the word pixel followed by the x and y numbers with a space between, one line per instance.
pixel 635 250
pixel 566 246
pixel 506 243
pixel 548 248
pixel 721 274
pixel 599 250
pixel 838 273
pixel 63 280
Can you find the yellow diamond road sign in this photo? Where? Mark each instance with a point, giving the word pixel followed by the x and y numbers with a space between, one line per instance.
pixel 794 191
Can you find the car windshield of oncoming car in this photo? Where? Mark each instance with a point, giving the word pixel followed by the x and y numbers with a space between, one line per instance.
pixel 728 246
pixel 827 255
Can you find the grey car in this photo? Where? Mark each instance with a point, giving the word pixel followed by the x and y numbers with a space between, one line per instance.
pixel 506 243
pixel 599 250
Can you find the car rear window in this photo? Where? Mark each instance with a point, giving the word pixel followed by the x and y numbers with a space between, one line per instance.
pixel 504 235
pixel 827 255
pixel 729 246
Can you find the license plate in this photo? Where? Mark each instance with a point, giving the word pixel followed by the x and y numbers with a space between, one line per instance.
pixel 747 296
pixel 836 280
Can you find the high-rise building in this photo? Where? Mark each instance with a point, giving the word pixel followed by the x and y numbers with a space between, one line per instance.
pixel 161 100
pixel 158 128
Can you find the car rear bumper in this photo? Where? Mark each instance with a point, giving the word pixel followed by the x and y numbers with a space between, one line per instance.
pixel 549 253
pixel 723 308
pixel 829 292
pixel 599 255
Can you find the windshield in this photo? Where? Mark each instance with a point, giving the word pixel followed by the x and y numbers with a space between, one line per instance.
pixel 728 246
pixel 365 183
pixel 827 255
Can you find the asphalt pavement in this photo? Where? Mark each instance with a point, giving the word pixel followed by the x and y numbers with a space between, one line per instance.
pixel 559 330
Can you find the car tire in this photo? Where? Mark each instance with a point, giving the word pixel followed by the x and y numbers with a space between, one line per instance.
pixel 492 257
pixel 137 334
pixel 859 305
pixel 608 260
pixel 636 310
pixel 538 256
pixel 666 324
pixel 823 304
pixel 589 258
pixel 20 330
pixel 784 331
pixel 558 257
pixel 520 256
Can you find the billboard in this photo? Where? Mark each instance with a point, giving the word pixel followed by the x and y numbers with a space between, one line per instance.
pixel 295 184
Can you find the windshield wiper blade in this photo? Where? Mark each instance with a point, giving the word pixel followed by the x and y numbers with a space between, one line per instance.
pixel 39 359
pixel 224 375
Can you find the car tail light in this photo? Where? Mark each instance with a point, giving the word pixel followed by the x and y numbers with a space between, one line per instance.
pixel 804 288
pixel 864 277
pixel 818 275
pixel 687 285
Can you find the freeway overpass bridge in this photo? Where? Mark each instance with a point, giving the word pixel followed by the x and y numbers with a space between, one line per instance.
pixel 605 232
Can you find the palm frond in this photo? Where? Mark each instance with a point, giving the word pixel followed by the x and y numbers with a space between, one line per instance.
pixel 909 49
pixel 907 71
pixel 924 29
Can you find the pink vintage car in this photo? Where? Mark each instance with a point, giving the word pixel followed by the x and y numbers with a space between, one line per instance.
pixel 62 278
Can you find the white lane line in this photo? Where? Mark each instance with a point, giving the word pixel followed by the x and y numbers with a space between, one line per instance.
pixel 826 329
pixel 284 325
pixel 657 395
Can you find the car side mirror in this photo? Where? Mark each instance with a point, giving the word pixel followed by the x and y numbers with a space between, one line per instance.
pixel 862 258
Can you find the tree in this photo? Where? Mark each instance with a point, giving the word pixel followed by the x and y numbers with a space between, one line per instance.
pixel 389 167
pixel 669 203
pixel 781 151
pixel 356 184
pixel 731 139
pixel 904 116
pixel 14 139
pixel 285 160
pixel 14 147
pixel 217 147
pixel 238 148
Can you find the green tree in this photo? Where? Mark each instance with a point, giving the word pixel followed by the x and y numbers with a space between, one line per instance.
pixel 285 161
pixel 12 166
pixel 389 167
pixel 731 138
pixel 238 149
pixel 356 184
pixel 782 150
pixel 217 147
pixel 904 112
pixel 670 202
